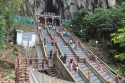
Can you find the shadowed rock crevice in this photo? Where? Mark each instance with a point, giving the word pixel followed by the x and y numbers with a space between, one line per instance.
pixel 65 8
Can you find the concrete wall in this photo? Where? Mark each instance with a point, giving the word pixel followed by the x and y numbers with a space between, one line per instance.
pixel 22 42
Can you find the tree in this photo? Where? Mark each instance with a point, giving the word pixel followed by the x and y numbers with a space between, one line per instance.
pixel 8 9
pixel 120 38
pixel 77 21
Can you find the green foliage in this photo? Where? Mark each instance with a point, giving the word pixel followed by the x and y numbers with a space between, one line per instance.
pixel 77 21
pixel 6 65
pixel 2 32
pixel 95 25
pixel 120 56
pixel 99 25
pixel 8 8
pixel 119 37
pixel 7 75
pixel 67 26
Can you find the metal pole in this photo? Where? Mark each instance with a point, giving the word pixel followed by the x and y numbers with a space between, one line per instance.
pixel 28 48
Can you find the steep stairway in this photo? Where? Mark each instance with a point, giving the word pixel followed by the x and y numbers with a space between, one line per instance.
pixel 23 75
pixel 50 71
pixel 103 73
pixel 66 49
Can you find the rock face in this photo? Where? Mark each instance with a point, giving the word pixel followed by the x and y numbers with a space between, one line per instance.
pixel 65 8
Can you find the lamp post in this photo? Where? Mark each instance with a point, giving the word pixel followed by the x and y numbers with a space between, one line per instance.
pixel 96 45
pixel 81 33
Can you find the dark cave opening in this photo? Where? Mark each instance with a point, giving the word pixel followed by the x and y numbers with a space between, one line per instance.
pixel 50 8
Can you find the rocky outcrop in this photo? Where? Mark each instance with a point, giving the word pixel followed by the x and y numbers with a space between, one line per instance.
pixel 64 7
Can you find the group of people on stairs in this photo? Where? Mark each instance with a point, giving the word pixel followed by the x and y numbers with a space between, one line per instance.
pixel 63 57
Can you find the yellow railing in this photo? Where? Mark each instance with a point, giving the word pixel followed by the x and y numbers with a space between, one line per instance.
pixel 81 72
pixel 62 62
pixel 82 59
pixel 41 40
pixel 72 79
pixel 97 59
pixel 96 72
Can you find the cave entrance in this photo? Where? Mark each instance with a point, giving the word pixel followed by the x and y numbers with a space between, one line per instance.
pixel 49 20
pixel 50 8
pixel 57 22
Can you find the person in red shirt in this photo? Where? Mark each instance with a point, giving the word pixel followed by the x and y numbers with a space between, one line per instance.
pixel 100 65
pixel 53 42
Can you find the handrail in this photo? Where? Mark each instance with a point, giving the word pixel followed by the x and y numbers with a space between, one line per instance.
pixel 98 60
pixel 97 72
pixel 106 66
pixel 62 62
pixel 44 52
pixel 83 73
pixel 73 52
pixel 89 64
pixel 72 34
pixel 70 47
pixel 58 57
pixel 75 64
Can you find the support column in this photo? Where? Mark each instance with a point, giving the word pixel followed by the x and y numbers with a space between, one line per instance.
pixel 84 59
pixel 53 21
pixel 60 23
pixel 45 20
pixel 117 79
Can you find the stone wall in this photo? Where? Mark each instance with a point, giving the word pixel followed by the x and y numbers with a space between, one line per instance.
pixel 64 7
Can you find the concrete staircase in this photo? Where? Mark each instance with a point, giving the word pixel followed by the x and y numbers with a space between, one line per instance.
pixel 23 75
pixel 51 71
pixel 93 77
pixel 70 55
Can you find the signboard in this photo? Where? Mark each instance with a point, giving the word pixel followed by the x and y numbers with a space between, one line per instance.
pixel 27 37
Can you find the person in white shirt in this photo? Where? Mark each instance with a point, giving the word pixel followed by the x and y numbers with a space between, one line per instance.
pixel 45 47
pixel 49 27
pixel 70 41
pixel 73 46
pixel 54 28
pixel 63 33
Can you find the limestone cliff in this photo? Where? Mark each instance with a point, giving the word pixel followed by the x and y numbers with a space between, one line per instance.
pixel 63 7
